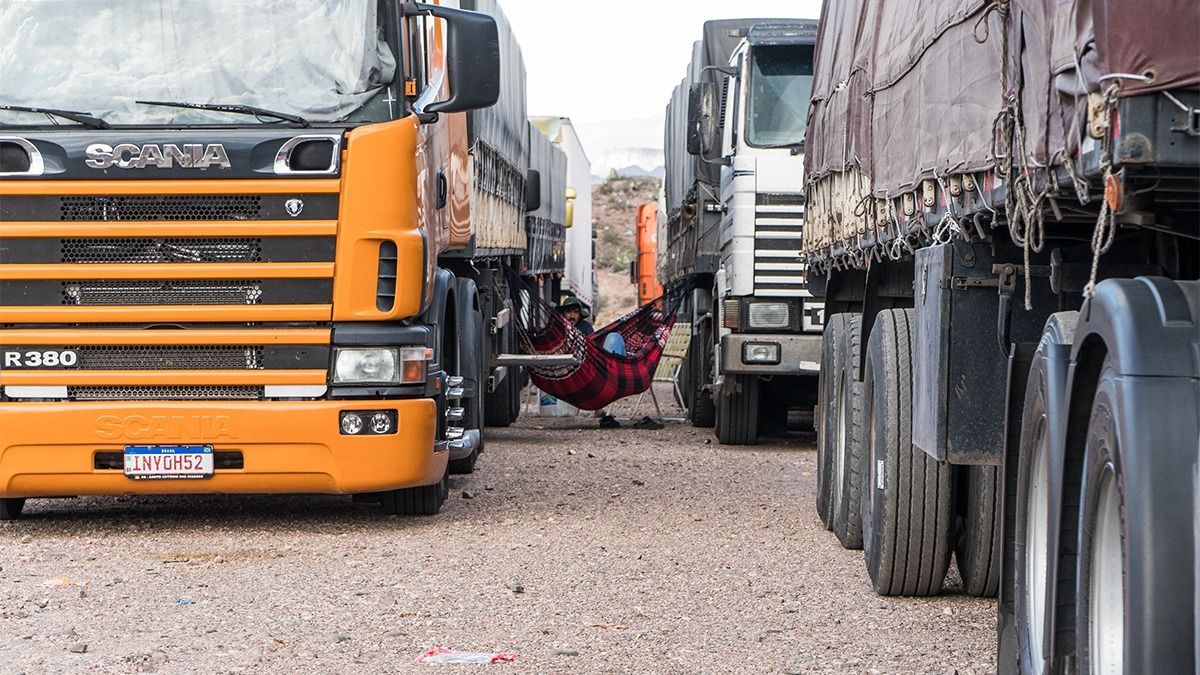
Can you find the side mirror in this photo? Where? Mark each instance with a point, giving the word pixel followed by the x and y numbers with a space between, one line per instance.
pixel 703 135
pixel 571 196
pixel 472 57
pixel 533 190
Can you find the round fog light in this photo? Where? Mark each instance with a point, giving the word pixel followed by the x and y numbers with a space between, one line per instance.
pixel 381 423
pixel 351 423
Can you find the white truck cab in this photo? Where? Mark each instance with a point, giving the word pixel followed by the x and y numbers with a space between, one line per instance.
pixel 749 117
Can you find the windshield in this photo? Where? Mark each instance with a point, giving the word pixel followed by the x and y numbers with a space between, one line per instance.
pixel 780 85
pixel 317 59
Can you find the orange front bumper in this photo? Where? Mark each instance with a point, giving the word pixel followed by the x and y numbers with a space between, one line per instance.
pixel 48 449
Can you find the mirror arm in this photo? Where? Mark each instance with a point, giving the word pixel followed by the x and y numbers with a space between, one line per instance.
pixel 427 117
pixel 724 70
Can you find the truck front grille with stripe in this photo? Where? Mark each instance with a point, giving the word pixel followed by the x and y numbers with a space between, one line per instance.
pixel 161 296
pixel 165 393
pixel 779 269
pixel 778 230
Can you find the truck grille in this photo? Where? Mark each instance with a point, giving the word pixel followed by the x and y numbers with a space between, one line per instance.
pixel 166 207
pixel 171 250
pixel 196 393
pixel 215 292
pixel 170 358
pixel 778 231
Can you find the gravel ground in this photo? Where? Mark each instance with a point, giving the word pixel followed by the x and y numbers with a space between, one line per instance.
pixel 582 550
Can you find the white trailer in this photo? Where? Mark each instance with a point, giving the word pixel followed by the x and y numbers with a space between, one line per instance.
pixel 580 276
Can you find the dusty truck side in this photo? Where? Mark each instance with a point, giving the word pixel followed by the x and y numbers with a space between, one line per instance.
pixel 1003 222
pixel 240 288
pixel 735 214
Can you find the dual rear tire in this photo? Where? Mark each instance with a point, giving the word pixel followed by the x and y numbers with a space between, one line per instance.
pixel 840 430
pixel 907 508
pixel 876 491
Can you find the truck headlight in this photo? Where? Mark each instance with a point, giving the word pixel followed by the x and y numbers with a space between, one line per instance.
pixel 363 365
pixel 770 315
pixel 760 353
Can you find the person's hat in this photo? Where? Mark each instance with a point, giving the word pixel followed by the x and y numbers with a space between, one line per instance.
pixel 572 302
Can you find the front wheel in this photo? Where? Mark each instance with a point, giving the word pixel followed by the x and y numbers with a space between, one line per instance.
pixel 702 410
pixel 11 507
pixel 425 500
pixel 737 410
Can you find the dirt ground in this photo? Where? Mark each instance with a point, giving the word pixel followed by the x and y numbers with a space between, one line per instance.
pixel 578 549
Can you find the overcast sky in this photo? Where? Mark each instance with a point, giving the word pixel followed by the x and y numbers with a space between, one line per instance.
pixel 604 61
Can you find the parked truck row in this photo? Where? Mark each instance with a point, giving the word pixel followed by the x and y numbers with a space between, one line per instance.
pixel 1002 221
pixel 265 266
pixel 734 214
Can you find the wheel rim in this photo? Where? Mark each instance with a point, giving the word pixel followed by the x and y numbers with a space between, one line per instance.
pixel 1037 510
pixel 839 439
pixel 1106 606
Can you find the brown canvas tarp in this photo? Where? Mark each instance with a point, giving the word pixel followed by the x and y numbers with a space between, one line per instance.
pixel 910 89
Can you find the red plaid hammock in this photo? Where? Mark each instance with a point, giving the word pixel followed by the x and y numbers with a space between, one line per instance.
pixel 599 377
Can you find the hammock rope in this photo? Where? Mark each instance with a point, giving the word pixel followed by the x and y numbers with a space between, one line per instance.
pixel 598 378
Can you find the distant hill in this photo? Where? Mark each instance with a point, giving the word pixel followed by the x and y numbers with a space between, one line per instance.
pixel 629 163
pixel 631 148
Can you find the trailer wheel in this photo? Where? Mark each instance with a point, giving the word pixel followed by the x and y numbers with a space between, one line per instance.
pixel 848 441
pixel 498 404
pixel 907 507
pixel 11 507
pixel 827 411
pixel 702 410
pixel 425 500
pixel 977 536
pixel 1037 493
pixel 737 411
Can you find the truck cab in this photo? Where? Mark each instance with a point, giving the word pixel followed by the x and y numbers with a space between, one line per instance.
pixel 220 269
pixel 751 120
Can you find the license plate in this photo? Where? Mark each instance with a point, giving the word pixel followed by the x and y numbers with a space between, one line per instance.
pixel 167 462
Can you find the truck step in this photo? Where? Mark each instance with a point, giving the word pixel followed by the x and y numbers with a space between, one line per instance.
pixel 536 360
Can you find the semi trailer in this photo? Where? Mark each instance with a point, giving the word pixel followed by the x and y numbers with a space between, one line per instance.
pixel 260 264
pixel 579 275
pixel 1003 223
pixel 735 213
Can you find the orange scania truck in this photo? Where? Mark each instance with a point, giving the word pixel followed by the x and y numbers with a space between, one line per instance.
pixel 243 249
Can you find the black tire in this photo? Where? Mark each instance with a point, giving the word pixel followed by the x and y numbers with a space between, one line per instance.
pixel 498 404
pixel 425 500
pixel 737 410
pixel 702 409
pixel 11 507
pixel 906 506
pixel 827 411
pixel 517 385
pixel 977 530
pixel 1138 456
pixel 1041 418
pixel 474 370
pixel 848 432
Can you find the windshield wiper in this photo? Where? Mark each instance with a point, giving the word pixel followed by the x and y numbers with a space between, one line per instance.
pixel 84 118
pixel 236 108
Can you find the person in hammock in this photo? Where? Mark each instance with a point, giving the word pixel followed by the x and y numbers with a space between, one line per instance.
pixel 576 313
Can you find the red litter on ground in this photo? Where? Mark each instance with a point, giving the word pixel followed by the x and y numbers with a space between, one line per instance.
pixel 452 656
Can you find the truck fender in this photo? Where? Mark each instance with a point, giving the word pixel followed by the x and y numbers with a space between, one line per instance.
pixel 1138 344
pixel 466 303
pixel 442 293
